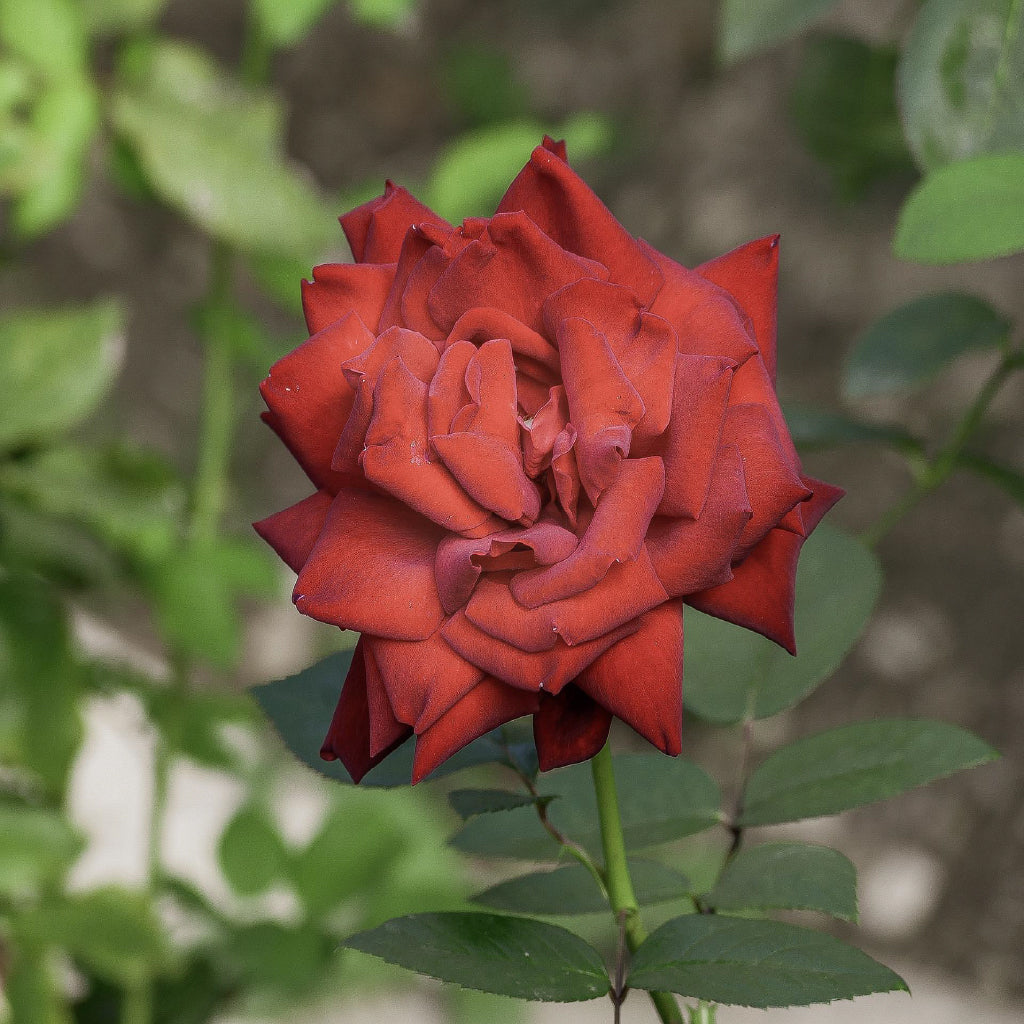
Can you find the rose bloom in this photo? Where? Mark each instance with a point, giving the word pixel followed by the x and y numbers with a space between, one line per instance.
pixel 532 438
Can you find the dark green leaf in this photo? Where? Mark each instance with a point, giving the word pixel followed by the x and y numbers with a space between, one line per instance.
pixel 37 848
pixel 755 963
pixel 285 22
pixel 732 672
pixel 844 107
pixel 1010 480
pixel 913 343
pixel 812 428
pixel 748 27
pixel 467 803
pixel 510 956
pixel 251 853
pixel 482 85
pixel 854 765
pixel 787 876
pixel 961 80
pixel 969 210
pixel 55 368
pixel 661 799
pixel 573 890
pixel 291 960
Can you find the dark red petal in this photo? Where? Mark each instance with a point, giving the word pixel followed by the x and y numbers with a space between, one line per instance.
pixel 554 197
pixel 448 394
pixel 761 593
pixel 488 705
pixel 689 446
pixel 423 678
pixel 690 555
pixel 750 275
pixel 376 230
pixel 372 569
pixel 338 289
pixel 823 498
pixel 752 385
pixel 293 531
pixel 615 534
pixel 569 728
pixel 546 670
pixel 348 737
pixel 484 323
pixel 558 148
pixel 640 679
pixel 513 267
pixel 386 731
pixel 309 399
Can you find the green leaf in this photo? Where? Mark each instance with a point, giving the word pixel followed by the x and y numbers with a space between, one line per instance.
pixel 915 342
pixel 812 428
pixel 47 33
pixel 251 853
pixel 38 847
pixel 55 368
pixel 30 987
pixel 285 22
pixel 292 960
pixel 661 799
pixel 732 673
pixel 103 17
pixel 1010 480
pixel 467 803
pixel 961 80
pixel 383 13
pixel 854 765
pixel 843 106
pixel 787 876
pixel 746 27
pixel 755 963
pixel 482 85
pixel 510 956
pixel 969 210
pixel 572 889
pixel 215 152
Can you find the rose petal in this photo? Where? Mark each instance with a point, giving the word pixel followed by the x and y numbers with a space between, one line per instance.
pixel 372 569
pixel 751 385
pixel 750 275
pixel 566 473
pixel 338 289
pixel 538 436
pixel 569 728
pixel 386 731
pixel 448 394
pixel 376 230
pixel 640 678
pixel 488 705
pixel 292 533
pixel 553 196
pixel 483 323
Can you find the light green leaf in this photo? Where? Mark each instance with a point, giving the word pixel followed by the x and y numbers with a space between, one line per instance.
pixel 915 342
pixel 38 847
pixel 755 963
pixel 812 427
pixel 572 890
pixel 661 799
pixel 511 956
pixel 251 852
pixel 969 210
pixel 749 27
pixel 961 80
pixel 467 803
pixel 47 33
pixel 55 368
pixel 854 765
pixel 285 22
pixel 731 672
pixel 787 876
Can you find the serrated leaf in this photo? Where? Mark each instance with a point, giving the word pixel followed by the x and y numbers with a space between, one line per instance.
pixel 732 672
pixel 55 368
pixel 251 852
pixel 812 428
pixel 755 963
pixel 510 956
pixel 572 889
pixel 37 848
pixel 914 343
pixel 856 764
pixel 467 803
pixel 1010 480
pixel 746 27
pixel 969 210
pixel 660 798
pixel 961 80
pixel 787 876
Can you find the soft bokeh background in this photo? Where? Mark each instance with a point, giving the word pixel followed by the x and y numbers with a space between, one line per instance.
pixel 448 97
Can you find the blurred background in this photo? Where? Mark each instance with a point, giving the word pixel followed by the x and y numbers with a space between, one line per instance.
pixel 169 171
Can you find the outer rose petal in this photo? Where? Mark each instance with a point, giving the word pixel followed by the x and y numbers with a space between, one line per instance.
pixel 750 274
pixel 348 737
pixel 569 728
pixel 293 532
pixel 488 705
pixel 376 230
pixel 372 569
pixel 640 679
pixel 338 289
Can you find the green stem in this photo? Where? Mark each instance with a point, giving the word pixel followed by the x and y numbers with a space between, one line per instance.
pixel 137 1004
pixel 619 884
pixel 941 467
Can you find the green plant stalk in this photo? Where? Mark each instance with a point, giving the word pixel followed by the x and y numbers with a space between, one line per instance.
pixel 617 878
pixel 137 1004
pixel 937 470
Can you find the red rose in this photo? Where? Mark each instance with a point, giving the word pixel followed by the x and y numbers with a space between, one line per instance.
pixel 533 437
